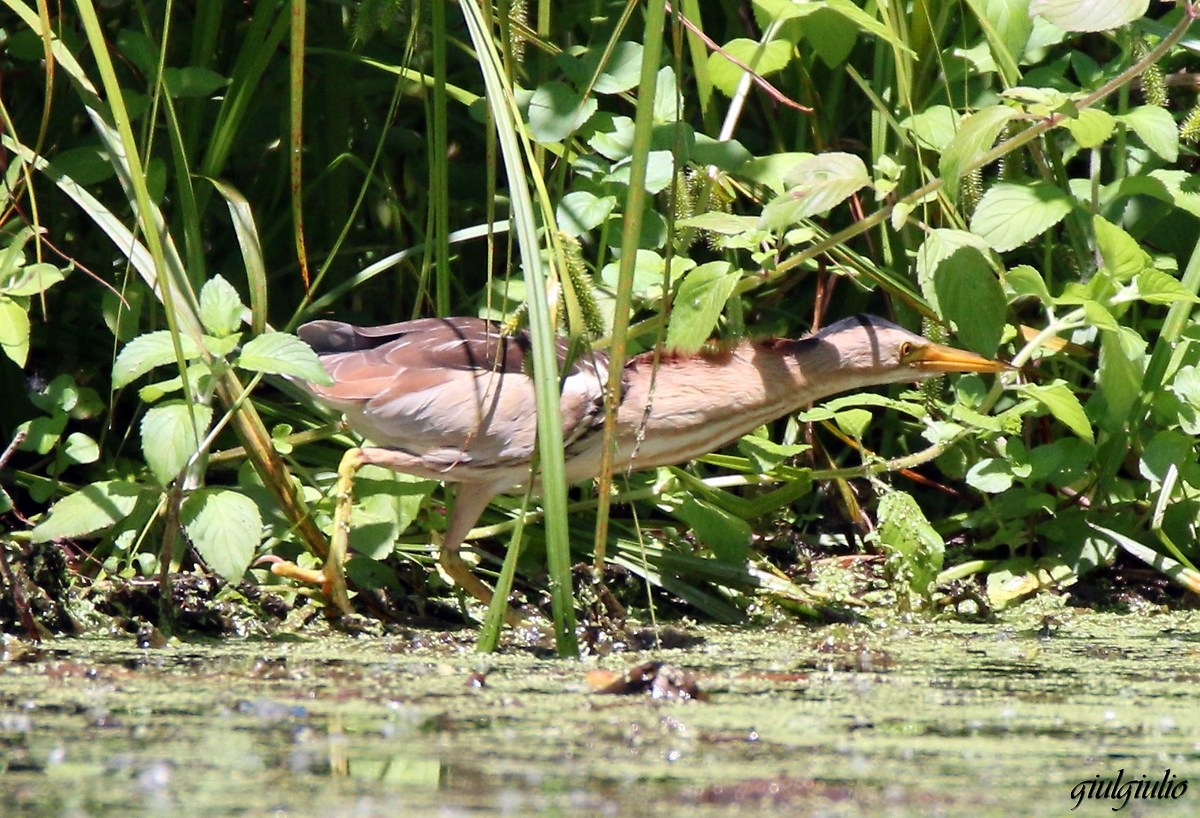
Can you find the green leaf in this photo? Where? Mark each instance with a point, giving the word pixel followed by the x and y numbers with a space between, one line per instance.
pixel 1123 257
pixel 990 475
pixel 763 58
pixel 1061 402
pixel 933 128
pixel 726 224
pixel 88 511
pixel 853 422
pixel 147 351
pixel 1024 280
pixel 81 449
pixel 1088 15
pixel 32 279
pixel 580 211
pixel 1155 287
pixel 620 73
pixel 1156 127
pixel 386 503
pixel 279 353
pixel 728 536
pixel 766 454
pixel 660 171
pixel 816 185
pixel 770 170
pixel 1119 376
pixel 965 291
pixel 1092 127
pixel 915 550
pixel 555 112
pixel 220 307
pixel 192 81
pixel 170 437
pixel 1009 215
pixel 14 331
pixel 702 296
pixel 976 136
pixel 225 528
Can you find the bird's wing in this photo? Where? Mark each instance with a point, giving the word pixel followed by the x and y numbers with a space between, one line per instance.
pixel 451 390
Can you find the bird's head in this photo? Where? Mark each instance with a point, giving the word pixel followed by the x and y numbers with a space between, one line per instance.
pixel 878 351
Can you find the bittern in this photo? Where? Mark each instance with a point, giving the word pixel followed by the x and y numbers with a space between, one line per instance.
pixel 452 399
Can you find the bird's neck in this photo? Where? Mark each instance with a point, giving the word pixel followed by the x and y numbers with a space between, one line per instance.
pixel 692 404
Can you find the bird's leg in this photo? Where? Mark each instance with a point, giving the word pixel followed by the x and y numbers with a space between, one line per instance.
pixel 334 584
pixel 469 502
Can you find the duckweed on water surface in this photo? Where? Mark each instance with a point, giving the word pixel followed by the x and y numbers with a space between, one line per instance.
pixel 931 719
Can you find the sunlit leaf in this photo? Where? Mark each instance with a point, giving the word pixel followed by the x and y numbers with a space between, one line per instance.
pixel 88 511
pixel 976 135
pixel 702 296
pixel 224 527
pixel 816 185
pixel 14 331
pixel 763 58
pixel 279 353
pixel 171 433
pixel 147 351
pixel 1061 402
pixel 1009 215
pixel 1089 15
pixel 555 112
pixel 581 211
pixel 220 307
pixel 1156 127
pixel 915 550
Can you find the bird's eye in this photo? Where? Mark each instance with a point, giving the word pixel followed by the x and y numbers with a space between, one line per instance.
pixel 906 349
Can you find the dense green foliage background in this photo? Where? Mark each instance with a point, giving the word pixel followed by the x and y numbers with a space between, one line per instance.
pixel 179 178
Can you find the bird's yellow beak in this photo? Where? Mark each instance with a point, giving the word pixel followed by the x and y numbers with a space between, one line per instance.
pixel 939 358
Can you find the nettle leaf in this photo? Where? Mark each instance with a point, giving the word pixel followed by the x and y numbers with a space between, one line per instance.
pixel 279 353
pixel 171 433
pixel 88 511
pixel 816 185
pixel 770 170
pixel 1062 403
pixel 976 135
pixel 1088 15
pixel 580 211
pixel 1024 280
pixel 957 280
pixel 224 527
pixel 147 351
pixel 1156 287
pixel 915 550
pixel 1123 256
pixel 702 296
pixel 556 111
pixel 14 331
pixel 933 128
pixel 1156 127
pixel 763 58
pixel 1009 215
pixel 220 307
pixel 1092 127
